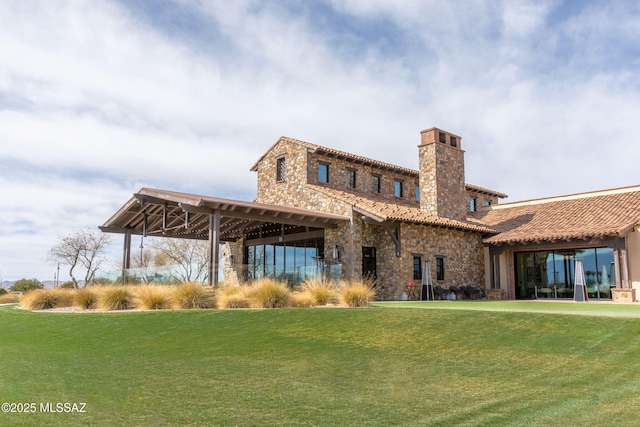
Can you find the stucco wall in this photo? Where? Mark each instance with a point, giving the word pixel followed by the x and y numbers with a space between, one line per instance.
pixel 633 255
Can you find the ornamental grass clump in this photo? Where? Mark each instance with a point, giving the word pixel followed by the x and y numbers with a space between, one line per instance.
pixel 85 298
pixel 193 295
pixel 357 293
pixel 269 293
pixel 301 299
pixel 321 291
pixel 232 297
pixel 9 298
pixel 113 298
pixel 46 299
pixel 152 297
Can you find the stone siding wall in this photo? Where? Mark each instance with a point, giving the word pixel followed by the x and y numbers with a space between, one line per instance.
pixel 442 185
pixel 481 199
pixel 462 252
pixel 338 179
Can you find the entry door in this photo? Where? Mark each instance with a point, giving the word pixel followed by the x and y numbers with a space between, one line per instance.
pixel 369 262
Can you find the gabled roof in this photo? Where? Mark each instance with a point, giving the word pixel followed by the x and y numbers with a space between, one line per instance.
pixel 342 155
pixel 381 211
pixel 609 213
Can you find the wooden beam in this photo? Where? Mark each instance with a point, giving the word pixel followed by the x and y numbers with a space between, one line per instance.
pixel 265 217
pixel 286 238
pixel 394 232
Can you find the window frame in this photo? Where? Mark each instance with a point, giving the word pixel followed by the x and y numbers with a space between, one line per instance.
pixel 417 272
pixel 324 165
pixel 397 188
pixel 376 183
pixel 281 164
pixel 440 268
pixel 352 178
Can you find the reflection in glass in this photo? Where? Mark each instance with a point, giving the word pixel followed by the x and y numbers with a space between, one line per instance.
pixel 551 274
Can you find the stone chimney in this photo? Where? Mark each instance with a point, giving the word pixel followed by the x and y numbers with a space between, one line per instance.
pixel 442 183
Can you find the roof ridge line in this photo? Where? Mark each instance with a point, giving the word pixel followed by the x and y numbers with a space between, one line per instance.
pixel 574 196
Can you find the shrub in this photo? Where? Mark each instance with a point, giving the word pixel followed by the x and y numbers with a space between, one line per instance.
pixel 152 297
pixel 46 299
pixel 193 295
pixel 321 291
pixel 357 293
pixel 3 291
pixel 115 298
pixel 67 285
pixel 24 285
pixel 269 293
pixel 232 297
pixel 85 298
pixel 9 298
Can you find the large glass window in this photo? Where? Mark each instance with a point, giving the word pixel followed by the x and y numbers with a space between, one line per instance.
pixel 291 261
pixel 551 274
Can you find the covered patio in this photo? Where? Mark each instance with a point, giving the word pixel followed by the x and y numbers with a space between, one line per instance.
pixel 162 213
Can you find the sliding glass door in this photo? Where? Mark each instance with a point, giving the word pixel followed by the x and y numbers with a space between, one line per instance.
pixel 551 274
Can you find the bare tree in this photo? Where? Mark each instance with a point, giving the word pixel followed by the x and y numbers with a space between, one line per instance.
pixel 82 248
pixel 188 256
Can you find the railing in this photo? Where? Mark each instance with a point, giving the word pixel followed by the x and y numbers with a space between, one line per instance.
pixel 238 273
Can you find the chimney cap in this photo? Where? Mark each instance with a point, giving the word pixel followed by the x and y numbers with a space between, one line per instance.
pixel 432 135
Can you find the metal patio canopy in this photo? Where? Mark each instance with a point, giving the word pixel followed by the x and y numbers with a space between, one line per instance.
pixel 163 213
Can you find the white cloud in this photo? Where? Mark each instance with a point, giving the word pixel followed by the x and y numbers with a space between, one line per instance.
pixel 100 98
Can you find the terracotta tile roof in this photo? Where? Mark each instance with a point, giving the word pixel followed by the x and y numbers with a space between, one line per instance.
pixel 580 216
pixel 343 155
pixel 382 210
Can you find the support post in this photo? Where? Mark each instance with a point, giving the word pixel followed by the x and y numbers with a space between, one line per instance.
pixel 214 247
pixel 616 264
pixel 625 268
pixel 126 256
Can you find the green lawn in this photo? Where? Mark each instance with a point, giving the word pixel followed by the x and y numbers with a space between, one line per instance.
pixel 456 364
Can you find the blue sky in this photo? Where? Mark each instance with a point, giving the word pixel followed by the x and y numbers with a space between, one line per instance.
pixel 100 98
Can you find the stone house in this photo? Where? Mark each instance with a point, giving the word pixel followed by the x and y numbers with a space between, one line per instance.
pixel 398 217
pixel 321 209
